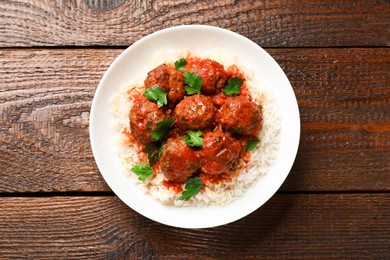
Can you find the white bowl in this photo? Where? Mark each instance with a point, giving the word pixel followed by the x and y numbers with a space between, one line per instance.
pixel 191 37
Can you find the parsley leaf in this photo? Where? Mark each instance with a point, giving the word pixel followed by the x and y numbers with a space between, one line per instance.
pixel 180 64
pixel 156 94
pixel 233 86
pixel 194 138
pixel 162 129
pixel 193 187
pixel 251 145
pixel 193 83
pixel 143 171
pixel 154 151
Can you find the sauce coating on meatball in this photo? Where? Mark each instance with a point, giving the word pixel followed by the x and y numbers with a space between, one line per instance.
pixel 144 116
pixel 219 154
pixel 195 112
pixel 178 161
pixel 213 151
pixel 212 73
pixel 240 115
pixel 169 79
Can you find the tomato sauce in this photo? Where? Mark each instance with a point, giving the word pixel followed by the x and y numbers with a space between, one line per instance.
pixel 215 179
pixel 172 185
pixel 227 122
pixel 219 99
pixel 127 132
pixel 233 71
pixel 135 96
pixel 205 178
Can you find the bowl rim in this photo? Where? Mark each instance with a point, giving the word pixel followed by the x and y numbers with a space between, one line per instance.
pixel 121 56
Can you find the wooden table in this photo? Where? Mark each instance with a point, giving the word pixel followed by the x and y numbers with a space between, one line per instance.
pixel 54 202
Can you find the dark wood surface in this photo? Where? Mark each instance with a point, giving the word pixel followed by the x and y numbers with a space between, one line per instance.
pixel 282 23
pixel 288 226
pixel 344 106
pixel 54 202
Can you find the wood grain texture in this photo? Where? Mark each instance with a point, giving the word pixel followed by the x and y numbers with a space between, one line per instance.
pixel 343 94
pixel 288 226
pixel 268 23
pixel 344 100
pixel 45 98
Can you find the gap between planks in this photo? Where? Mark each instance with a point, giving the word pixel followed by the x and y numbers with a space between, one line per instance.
pixel 110 193
pixel 69 47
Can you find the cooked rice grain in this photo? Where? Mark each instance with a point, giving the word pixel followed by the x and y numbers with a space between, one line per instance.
pixel 262 157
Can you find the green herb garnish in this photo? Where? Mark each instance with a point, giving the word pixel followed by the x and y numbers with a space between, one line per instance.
pixel 162 129
pixel 143 171
pixel 260 107
pixel 194 138
pixel 251 145
pixel 180 64
pixel 233 86
pixel 153 151
pixel 193 187
pixel 193 83
pixel 156 94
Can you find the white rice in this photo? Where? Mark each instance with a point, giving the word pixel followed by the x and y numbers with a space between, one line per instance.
pixel 262 157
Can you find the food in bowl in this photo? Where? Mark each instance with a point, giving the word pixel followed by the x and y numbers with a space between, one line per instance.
pixel 197 130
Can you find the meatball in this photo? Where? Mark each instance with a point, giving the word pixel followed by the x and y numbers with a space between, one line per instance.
pixel 194 112
pixel 178 161
pixel 219 154
pixel 170 80
pixel 212 73
pixel 239 114
pixel 143 119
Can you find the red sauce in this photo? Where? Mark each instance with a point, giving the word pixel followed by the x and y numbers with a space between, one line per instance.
pixel 135 96
pixel 219 98
pixel 245 155
pixel 216 179
pixel 126 131
pixel 233 71
pixel 156 167
pixel 175 186
pixel 213 74
pixel 175 133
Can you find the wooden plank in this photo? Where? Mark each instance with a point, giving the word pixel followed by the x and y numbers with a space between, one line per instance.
pixel 344 100
pixel 268 23
pixel 288 226
pixel 45 97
